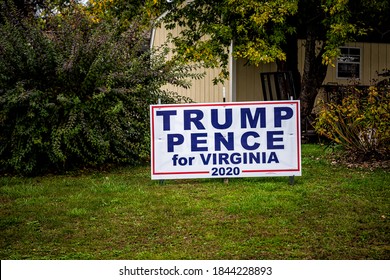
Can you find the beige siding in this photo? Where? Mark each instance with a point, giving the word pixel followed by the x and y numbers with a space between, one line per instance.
pixel 374 58
pixel 202 90
pixel 383 57
pixel 367 54
pixel 248 80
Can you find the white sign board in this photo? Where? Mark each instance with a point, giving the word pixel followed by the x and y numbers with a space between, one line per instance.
pixel 240 139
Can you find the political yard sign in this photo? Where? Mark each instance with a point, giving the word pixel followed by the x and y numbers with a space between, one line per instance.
pixel 240 139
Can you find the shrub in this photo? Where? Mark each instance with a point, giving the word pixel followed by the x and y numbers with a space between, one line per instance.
pixel 76 94
pixel 361 122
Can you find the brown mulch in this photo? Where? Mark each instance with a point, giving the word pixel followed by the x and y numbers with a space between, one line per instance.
pixel 352 160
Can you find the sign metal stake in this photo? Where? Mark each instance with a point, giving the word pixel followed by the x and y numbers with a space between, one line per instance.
pixel 291 180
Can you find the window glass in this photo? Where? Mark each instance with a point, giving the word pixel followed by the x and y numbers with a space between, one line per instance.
pixel 348 63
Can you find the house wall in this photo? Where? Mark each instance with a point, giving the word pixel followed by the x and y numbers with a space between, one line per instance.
pixel 375 57
pixel 202 90
pixel 246 78
pixel 248 82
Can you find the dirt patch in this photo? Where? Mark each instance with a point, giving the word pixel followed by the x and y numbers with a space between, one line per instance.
pixel 353 160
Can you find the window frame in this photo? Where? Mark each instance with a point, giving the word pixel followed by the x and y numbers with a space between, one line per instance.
pixel 359 62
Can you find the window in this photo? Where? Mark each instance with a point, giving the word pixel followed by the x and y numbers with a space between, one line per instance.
pixel 348 63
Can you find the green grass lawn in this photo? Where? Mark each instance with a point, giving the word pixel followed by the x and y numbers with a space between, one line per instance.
pixel 331 212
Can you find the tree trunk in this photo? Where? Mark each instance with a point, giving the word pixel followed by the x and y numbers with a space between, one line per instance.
pixel 291 63
pixel 314 73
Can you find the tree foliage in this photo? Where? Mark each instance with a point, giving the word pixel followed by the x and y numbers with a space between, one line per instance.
pixel 258 28
pixel 267 31
pixel 77 93
pixel 35 8
pixel 121 10
pixel 145 11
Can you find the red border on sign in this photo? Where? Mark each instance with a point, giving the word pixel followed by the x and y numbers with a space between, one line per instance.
pixel 154 107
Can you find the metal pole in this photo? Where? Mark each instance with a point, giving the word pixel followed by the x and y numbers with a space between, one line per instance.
pixel 291 180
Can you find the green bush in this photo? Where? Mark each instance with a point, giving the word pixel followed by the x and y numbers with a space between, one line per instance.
pixel 76 94
pixel 361 122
